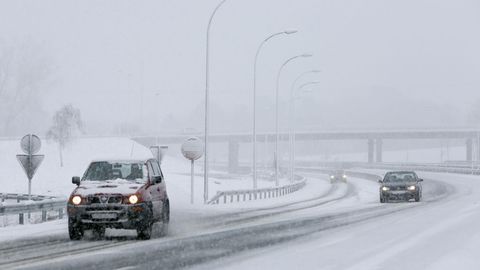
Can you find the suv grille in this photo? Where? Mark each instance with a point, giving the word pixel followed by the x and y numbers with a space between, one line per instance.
pixel 104 199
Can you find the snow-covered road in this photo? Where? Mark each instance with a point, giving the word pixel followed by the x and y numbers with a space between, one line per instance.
pixel 439 233
pixel 338 227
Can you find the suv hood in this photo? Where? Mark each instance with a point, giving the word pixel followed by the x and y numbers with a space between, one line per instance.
pixel 119 186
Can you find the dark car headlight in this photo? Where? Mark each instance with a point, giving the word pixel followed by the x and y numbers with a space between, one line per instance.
pixel 385 188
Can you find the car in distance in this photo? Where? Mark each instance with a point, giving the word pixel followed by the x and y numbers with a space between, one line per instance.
pixel 121 194
pixel 400 185
pixel 338 176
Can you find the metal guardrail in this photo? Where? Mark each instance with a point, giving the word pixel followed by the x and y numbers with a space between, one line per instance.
pixel 440 168
pixel 448 167
pixel 37 203
pixel 255 194
pixel 350 173
pixel 459 168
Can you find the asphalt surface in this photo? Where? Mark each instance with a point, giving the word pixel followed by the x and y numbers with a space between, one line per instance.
pixel 231 234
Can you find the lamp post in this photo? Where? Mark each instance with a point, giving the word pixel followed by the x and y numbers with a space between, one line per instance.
pixel 207 88
pixel 276 112
pixel 292 92
pixel 292 130
pixel 254 135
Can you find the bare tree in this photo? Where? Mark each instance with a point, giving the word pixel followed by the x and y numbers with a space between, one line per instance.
pixel 66 123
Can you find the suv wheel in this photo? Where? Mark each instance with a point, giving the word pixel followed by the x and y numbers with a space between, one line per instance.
pixel 382 200
pixel 145 231
pixel 75 229
pixel 417 197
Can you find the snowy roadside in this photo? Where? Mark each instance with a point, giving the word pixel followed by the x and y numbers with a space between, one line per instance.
pixel 437 235
pixel 53 179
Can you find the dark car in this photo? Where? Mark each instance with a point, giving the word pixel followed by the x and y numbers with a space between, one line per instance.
pixel 338 176
pixel 400 185
pixel 121 194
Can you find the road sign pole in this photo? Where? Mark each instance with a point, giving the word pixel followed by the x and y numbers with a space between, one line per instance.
pixel 30 169
pixel 192 149
pixel 30 162
pixel 29 189
pixel 192 183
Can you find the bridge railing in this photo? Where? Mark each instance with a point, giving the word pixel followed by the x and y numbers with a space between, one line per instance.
pixel 460 168
pixel 440 168
pixel 230 196
pixel 21 205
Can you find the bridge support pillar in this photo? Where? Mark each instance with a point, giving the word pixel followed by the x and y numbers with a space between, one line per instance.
pixel 233 156
pixel 371 147
pixel 469 145
pixel 379 150
pixel 478 148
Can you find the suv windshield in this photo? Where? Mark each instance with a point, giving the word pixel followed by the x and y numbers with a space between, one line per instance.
pixel 104 170
pixel 400 177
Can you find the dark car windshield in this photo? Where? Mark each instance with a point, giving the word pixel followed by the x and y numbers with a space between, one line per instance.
pixel 104 170
pixel 400 177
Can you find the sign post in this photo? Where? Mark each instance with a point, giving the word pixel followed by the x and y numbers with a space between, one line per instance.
pixel 30 162
pixel 192 149
pixel 158 151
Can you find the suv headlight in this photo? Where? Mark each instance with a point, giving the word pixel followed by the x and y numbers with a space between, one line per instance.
pixel 412 188
pixel 76 200
pixel 344 176
pixel 133 199
pixel 385 188
pixel 332 176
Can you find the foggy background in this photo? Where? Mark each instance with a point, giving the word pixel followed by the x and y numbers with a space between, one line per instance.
pixel 138 67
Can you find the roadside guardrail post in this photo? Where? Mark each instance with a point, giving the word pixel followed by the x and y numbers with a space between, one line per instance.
pixel 20 218
pixel 60 213
pixel 44 215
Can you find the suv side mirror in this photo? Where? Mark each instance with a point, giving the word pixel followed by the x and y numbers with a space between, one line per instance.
pixel 420 180
pixel 157 179
pixel 380 181
pixel 76 180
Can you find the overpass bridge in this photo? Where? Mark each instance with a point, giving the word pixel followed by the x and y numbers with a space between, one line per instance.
pixel 373 139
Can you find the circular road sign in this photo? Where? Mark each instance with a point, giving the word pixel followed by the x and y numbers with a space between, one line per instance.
pixel 192 148
pixel 30 144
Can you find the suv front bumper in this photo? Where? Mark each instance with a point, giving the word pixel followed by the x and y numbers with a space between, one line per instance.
pixel 119 216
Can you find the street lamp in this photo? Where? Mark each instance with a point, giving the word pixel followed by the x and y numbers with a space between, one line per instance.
pixel 292 91
pixel 276 111
pixel 292 127
pixel 254 135
pixel 207 88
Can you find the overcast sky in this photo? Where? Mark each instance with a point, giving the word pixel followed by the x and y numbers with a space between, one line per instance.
pixel 116 59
